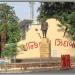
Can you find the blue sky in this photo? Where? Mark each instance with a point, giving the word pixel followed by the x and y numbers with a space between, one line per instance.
pixel 22 9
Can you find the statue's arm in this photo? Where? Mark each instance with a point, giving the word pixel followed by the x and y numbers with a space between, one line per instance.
pixel 47 25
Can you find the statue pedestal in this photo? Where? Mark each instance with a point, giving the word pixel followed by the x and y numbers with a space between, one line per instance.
pixel 45 48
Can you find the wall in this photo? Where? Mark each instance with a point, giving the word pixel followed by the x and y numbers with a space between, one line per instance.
pixel 59 44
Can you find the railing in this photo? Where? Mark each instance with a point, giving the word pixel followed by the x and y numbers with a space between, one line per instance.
pixel 23 66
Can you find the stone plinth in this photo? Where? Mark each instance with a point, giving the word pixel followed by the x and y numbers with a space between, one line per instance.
pixel 45 48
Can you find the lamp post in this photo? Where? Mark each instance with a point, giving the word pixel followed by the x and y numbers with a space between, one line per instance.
pixel 31 10
pixel 40 59
pixel 14 57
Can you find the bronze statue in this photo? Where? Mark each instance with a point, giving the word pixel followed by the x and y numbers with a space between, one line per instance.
pixel 44 28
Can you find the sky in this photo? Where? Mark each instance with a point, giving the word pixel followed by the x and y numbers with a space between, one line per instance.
pixel 22 9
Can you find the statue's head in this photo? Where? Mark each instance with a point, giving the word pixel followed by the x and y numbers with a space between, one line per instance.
pixel 42 20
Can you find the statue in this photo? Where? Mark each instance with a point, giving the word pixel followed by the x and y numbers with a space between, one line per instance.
pixel 44 28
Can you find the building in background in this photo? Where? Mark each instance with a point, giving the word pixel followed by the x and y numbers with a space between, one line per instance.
pixel 24 26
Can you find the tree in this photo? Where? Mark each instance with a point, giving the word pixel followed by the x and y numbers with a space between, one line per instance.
pixel 9 26
pixel 10 50
pixel 62 11
pixel 9 23
pixel 13 32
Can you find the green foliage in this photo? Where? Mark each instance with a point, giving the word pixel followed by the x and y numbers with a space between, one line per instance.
pixel 55 9
pixel 13 31
pixel 9 25
pixel 10 50
pixel 62 11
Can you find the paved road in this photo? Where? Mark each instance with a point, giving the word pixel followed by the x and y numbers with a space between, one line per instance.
pixel 40 71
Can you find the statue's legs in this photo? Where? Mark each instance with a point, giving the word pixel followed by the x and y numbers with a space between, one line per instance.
pixel 44 33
